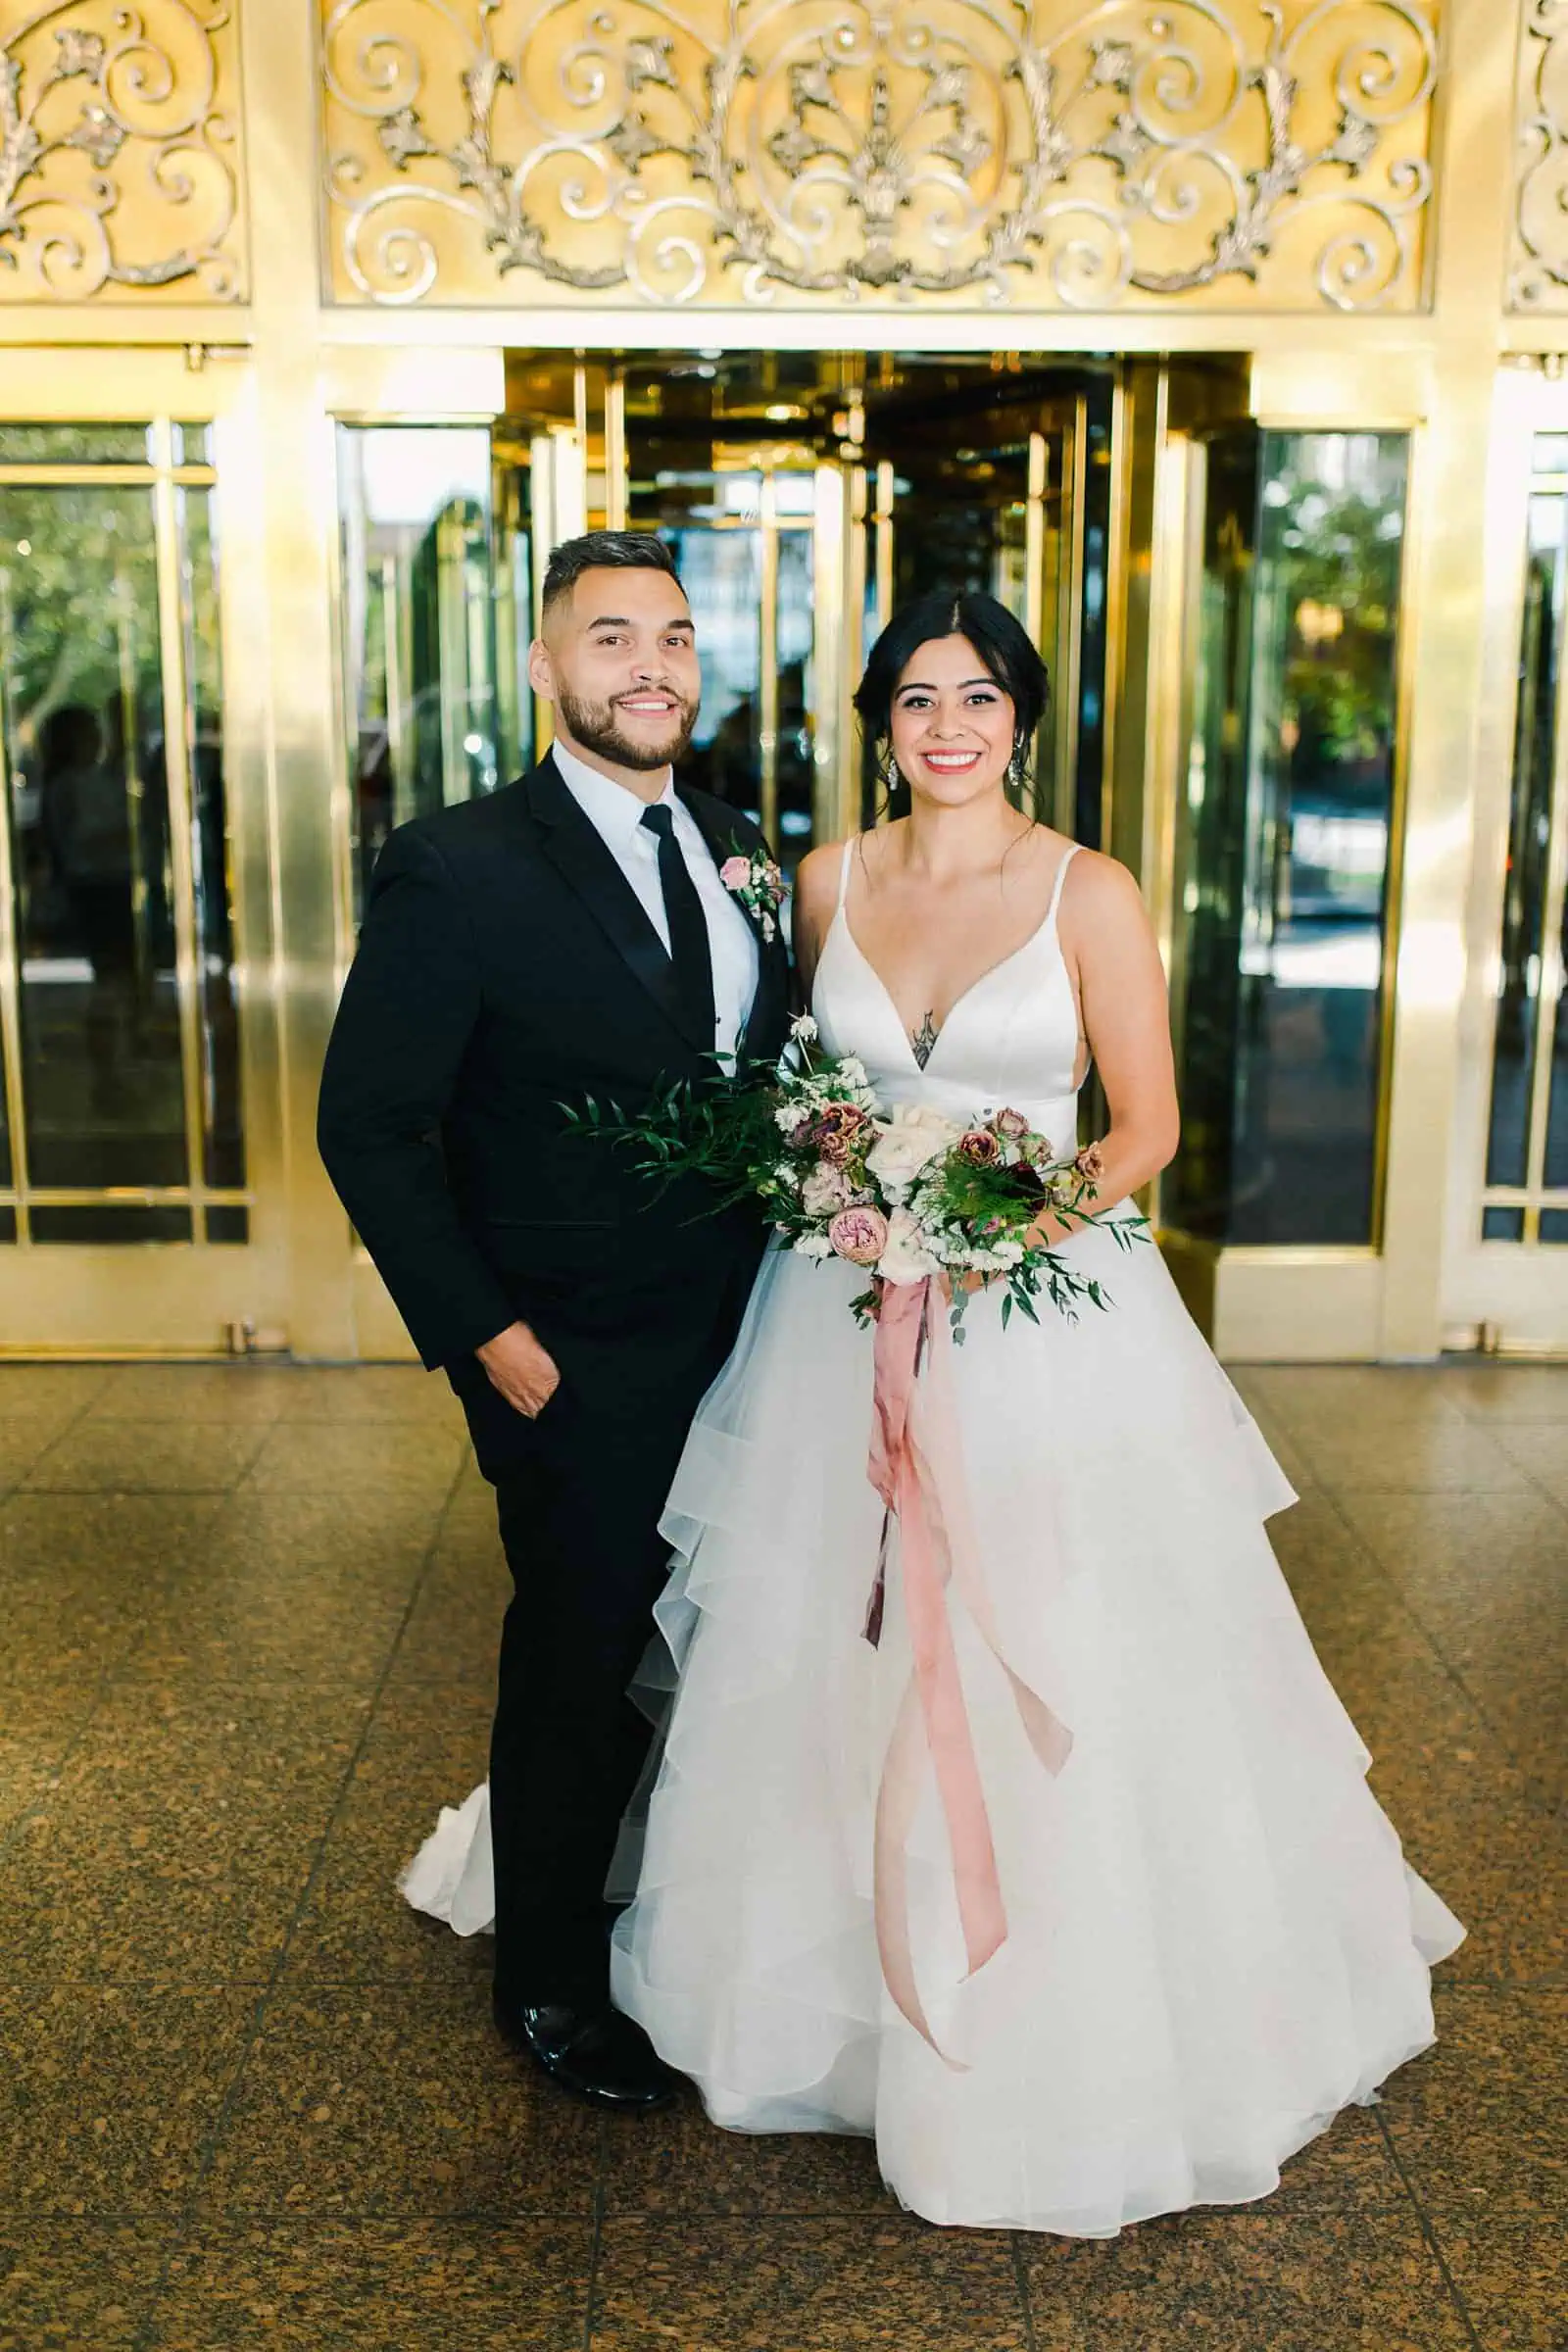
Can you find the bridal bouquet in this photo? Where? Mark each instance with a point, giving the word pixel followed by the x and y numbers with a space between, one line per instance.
pixel 903 1192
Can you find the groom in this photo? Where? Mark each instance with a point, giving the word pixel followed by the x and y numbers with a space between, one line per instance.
pixel 568 936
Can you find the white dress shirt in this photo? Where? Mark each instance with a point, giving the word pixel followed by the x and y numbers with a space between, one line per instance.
pixel 616 816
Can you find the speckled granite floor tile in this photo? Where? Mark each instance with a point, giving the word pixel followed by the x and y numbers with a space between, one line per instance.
pixel 110 2092
pixel 1481 2121
pixel 454 1633
pixel 379 2286
pixel 181 1834
pixel 1486 1578
pixel 381 1541
pixel 418 1463
pixel 132 1457
pixel 392 2100
pixel 57 1392
pixel 193 1393
pixel 1247 2280
pixel 325 1624
pixel 38 1726
pixel 76 2286
pixel 1374 1452
pixel 1513 2281
pixel 1304 1393
pixel 426 1747
pixel 719 2285
pixel 1540 1451
pixel 677 2163
pixel 1477 1830
pixel 359 1393
pixel 78 1573
pixel 22 1445
pixel 1491 1390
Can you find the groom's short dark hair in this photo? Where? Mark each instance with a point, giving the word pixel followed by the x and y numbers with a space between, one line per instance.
pixel 605 551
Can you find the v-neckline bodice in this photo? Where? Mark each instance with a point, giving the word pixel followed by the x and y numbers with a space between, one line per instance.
pixel 1011 1036
pixel 991 972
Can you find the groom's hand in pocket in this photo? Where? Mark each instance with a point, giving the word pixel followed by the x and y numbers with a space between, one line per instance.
pixel 525 1374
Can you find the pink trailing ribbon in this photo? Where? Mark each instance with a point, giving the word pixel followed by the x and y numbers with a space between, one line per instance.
pixel 916 1467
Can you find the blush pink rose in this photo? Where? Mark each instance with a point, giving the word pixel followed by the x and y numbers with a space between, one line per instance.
pixel 858 1233
pixel 735 872
pixel 980 1147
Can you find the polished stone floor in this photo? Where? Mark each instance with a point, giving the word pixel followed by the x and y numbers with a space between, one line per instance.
pixel 246 1629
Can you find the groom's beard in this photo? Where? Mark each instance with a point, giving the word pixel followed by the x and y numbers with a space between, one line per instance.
pixel 595 726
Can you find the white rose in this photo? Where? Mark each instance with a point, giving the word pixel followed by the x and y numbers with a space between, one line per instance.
pixel 814 1245
pixel 911 1138
pixel 906 1258
pixel 824 1190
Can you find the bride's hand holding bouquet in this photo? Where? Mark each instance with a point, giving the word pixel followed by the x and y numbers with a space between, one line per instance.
pixel 903 1192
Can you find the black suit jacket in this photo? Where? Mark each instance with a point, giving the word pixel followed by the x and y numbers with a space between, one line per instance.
pixel 505 968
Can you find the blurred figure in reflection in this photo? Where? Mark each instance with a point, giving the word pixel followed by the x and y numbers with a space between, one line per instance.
pixel 86 824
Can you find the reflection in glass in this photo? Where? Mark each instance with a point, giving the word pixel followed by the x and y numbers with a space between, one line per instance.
pixel 1286 829
pixel 1527 1141
pixel 109 1221
pixel 80 444
pixel 741 541
pixel 421 582
pixel 81 684
pixel 1524 915
pixel 792 653
pixel 222 1138
pixel 710 525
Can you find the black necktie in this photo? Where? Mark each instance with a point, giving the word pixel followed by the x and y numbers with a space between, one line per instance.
pixel 689 949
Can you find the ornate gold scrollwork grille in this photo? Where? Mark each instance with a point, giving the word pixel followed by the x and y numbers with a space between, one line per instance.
pixel 1538 279
pixel 1029 152
pixel 118 164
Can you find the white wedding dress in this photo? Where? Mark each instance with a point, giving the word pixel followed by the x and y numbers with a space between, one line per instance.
pixel 1214 1940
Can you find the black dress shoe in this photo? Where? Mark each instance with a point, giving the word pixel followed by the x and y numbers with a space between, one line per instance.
pixel 596 2054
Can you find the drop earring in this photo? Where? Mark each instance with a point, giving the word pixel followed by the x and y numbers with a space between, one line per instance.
pixel 1017 770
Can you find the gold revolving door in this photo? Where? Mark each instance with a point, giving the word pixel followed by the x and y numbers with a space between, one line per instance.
pixel 138 1118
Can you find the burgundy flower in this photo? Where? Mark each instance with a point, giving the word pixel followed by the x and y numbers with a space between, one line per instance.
pixel 980 1147
pixel 835 1130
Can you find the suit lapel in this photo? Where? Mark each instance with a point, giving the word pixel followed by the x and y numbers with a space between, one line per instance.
pixel 580 856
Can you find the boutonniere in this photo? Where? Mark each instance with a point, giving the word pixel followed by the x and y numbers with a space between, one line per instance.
pixel 751 876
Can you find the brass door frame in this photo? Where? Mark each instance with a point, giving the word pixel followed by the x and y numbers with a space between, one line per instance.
pixel 1504 1295
pixel 172 1298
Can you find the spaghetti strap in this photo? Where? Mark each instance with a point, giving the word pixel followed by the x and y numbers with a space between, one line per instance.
pixel 843 871
pixel 1070 853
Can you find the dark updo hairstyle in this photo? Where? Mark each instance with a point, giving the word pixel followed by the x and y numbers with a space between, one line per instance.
pixel 1002 643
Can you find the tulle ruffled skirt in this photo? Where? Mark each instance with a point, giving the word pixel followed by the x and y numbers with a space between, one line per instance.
pixel 1215 1942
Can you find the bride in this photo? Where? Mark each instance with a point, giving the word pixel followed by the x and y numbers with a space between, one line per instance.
pixel 1209 1941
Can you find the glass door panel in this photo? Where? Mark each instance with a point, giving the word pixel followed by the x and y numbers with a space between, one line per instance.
pixel 1525 1200
pixel 438 600
pixel 118 993
pixel 1005 491
pixel 1284 841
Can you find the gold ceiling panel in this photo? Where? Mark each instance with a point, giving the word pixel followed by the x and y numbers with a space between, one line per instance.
pixel 1539 277
pixel 120 173
pixel 1025 154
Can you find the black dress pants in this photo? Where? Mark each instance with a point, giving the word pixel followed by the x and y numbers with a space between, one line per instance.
pixel 579 1521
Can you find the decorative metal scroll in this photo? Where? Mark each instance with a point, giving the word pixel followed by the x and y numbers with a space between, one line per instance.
pixel 1017 152
pixel 118 165
pixel 1539 277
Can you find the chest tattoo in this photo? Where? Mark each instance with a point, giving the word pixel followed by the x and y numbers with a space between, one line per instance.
pixel 923 1040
